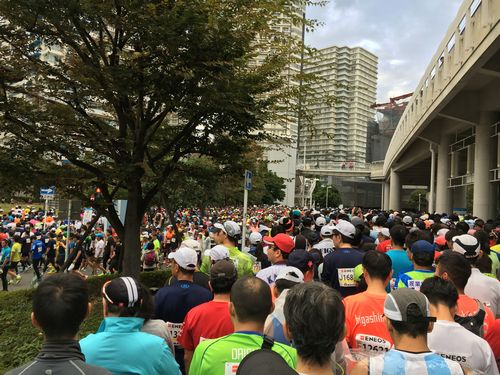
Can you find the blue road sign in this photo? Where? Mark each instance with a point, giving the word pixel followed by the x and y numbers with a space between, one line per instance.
pixel 47 192
pixel 248 180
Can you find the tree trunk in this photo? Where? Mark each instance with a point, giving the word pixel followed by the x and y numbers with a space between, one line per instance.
pixel 131 240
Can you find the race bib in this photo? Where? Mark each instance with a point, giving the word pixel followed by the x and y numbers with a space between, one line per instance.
pixel 414 284
pixel 230 368
pixel 175 329
pixel 372 344
pixel 346 277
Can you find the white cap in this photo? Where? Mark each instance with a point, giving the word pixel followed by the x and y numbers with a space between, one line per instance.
pixel 255 238
pixel 407 220
pixel 442 232
pixel 326 230
pixel 346 228
pixel 218 252
pixel 185 257
pixel 229 227
pixel 192 244
pixel 320 221
pixel 291 274
pixel 385 232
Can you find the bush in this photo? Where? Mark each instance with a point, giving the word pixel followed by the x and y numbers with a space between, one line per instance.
pixel 20 341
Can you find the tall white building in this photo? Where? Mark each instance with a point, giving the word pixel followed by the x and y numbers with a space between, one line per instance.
pixel 338 135
pixel 283 157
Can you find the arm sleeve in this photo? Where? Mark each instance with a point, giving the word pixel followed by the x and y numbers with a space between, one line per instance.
pixel 166 363
pixel 195 367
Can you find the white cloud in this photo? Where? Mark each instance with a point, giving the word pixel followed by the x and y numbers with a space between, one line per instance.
pixel 404 34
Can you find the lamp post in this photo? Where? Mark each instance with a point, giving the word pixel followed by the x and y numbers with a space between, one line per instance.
pixel 419 201
pixel 326 200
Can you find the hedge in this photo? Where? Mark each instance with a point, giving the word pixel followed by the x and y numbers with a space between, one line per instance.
pixel 20 341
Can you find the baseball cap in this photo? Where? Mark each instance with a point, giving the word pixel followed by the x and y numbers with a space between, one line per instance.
pixel 356 220
pixel 346 228
pixel 320 221
pixel 223 269
pixel 218 252
pixel 397 302
pixel 302 259
pixel 326 230
pixel 282 241
pixel 466 245
pixel 229 227
pixel 123 291
pixel 442 232
pixel 422 246
pixel 291 274
pixel 255 238
pixel 185 257
pixel 407 220
pixel 385 232
pixel 191 243
pixel 286 223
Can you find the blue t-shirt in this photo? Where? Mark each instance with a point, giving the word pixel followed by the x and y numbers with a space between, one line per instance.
pixel 5 255
pixel 38 249
pixel 172 303
pixel 400 263
pixel 338 270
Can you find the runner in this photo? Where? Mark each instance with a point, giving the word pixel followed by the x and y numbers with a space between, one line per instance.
pixel 279 248
pixel 422 258
pixel 250 304
pixel 338 267
pixel 210 320
pixel 450 339
pixel 326 245
pixel 365 325
pixel 400 261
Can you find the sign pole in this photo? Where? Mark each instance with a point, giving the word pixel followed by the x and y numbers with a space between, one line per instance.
pixel 45 214
pixel 246 188
pixel 67 230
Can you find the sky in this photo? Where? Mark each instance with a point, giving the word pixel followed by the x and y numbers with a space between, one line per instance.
pixel 404 34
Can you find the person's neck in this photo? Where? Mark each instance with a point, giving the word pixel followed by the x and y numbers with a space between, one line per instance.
pixel 228 244
pixel 416 267
pixel 249 326
pixel 411 344
pixel 442 312
pixel 279 261
pixel 222 297
pixel 312 369
pixel 397 247
pixel 376 287
pixel 345 246
pixel 183 277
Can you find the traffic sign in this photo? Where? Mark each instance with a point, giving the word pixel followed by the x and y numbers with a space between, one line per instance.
pixel 248 180
pixel 48 193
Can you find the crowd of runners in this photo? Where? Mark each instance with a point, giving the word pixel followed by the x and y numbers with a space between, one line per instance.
pixel 329 292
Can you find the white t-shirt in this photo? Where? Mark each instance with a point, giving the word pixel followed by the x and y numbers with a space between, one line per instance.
pixel 454 342
pixel 326 246
pixel 99 248
pixel 270 274
pixel 484 288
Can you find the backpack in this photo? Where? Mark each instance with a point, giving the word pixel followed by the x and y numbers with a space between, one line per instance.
pixel 265 361
pixel 150 258
pixel 474 323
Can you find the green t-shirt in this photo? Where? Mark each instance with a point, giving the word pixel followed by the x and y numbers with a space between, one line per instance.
pixel 242 262
pixel 223 355
pixel 414 279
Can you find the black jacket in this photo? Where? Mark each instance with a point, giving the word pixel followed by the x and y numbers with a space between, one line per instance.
pixel 58 358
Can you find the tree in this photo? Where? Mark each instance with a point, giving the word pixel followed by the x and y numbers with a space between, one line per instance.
pixel 319 196
pixel 418 200
pixel 126 91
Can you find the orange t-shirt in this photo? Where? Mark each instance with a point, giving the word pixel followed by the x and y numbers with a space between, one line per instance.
pixel 467 306
pixel 365 323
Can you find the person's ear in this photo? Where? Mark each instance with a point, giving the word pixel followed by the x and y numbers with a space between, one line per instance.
pixel 104 307
pixel 430 327
pixel 210 286
pixel 286 331
pixel 34 322
pixel 388 325
pixel 232 311
pixel 274 291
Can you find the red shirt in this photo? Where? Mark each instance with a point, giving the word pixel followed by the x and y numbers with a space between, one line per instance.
pixel 384 246
pixel 209 320
pixel 365 323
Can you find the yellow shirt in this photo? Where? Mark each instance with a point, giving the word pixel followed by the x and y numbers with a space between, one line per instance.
pixel 15 253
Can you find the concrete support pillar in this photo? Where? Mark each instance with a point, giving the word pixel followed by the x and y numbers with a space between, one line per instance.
pixel 470 160
pixel 395 191
pixel 481 199
pixel 386 187
pixel 498 151
pixel 453 164
pixel 432 182
pixel 443 201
